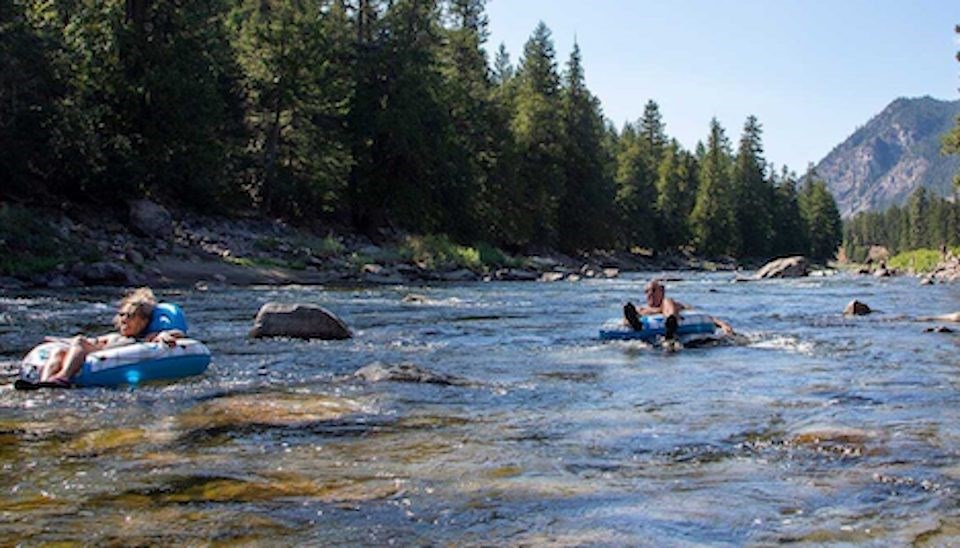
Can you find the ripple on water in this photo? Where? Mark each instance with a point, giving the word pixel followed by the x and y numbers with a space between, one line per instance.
pixel 820 429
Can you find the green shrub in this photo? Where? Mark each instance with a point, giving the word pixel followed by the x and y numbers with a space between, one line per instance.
pixel 918 260
pixel 492 257
pixel 328 246
pixel 267 243
pixel 438 251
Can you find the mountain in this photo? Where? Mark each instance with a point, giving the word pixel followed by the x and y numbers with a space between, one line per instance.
pixel 894 153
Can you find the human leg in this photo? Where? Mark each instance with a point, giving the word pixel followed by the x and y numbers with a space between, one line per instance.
pixel 71 363
pixel 53 365
pixel 632 317
pixel 671 318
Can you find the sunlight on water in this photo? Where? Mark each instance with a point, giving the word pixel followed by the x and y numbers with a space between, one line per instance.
pixel 813 428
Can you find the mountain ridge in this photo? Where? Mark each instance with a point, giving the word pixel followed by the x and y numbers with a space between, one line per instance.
pixel 896 151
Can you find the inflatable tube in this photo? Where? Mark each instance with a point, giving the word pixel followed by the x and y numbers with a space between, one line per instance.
pixel 166 316
pixel 691 325
pixel 130 364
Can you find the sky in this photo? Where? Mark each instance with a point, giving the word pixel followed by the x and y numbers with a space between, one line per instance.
pixel 811 71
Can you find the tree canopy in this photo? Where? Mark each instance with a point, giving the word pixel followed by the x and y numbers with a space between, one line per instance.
pixel 381 116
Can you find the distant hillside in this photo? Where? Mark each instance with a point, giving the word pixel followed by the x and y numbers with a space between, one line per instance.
pixel 894 153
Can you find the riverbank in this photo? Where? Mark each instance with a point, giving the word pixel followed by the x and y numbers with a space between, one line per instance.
pixel 150 245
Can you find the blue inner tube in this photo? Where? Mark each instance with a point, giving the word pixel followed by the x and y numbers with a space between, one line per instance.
pixel 166 316
pixel 690 324
pixel 129 364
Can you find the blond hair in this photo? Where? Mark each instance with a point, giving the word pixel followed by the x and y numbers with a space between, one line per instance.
pixel 141 301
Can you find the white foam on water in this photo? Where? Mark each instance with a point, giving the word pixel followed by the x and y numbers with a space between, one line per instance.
pixel 790 344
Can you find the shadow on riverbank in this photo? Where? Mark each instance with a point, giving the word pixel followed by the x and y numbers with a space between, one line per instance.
pixel 153 246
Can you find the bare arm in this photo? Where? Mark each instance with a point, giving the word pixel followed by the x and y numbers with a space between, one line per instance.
pixel 169 336
pixel 723 326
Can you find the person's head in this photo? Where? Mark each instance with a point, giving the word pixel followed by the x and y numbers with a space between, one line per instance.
pixel 134 312
pixel 655 292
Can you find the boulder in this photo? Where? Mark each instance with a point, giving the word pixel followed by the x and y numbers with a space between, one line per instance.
pixel 551 276
pixel 515 275
pixel 304 321
pixel 101 273
pixel 856 308
pixel 459 275
pixel 786 267
pixel 151 219
pixel 406 372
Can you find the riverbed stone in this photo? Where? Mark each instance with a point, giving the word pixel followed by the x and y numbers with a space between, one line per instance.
pixel 551 276
pixel 405 372
pixel 105 273
pixel 300 320
pixel 953 317
pixel 857 308
pixel 459 275
pixel 151 219
pixel 515 275
pixel 786 267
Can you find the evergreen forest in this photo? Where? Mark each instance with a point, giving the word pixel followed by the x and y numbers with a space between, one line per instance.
pixel 926 221
pixel 379 116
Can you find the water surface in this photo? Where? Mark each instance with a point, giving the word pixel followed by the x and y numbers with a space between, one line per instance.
pixel 817 428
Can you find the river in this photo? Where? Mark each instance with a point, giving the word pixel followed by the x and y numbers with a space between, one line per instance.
pixel 815 429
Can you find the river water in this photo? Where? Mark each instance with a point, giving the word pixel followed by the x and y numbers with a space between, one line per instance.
pixel 814 428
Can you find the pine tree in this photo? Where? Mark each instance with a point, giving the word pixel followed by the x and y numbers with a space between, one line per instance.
pixel 636 196
pixel 824 226
pixel 29 92
pixel 713 218
pixel 402 133
pixel 652 129
pixel 154 102
pixel 468 95
pixel 502 69
pixel 951 141
pixel 587 200
pixel 918 210
pixel 672 191
pixel 538 129
pixel 754 196
pixel 790 231
pixel 297 110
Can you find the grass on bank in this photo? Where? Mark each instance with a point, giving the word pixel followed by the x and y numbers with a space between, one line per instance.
pixel 919 260
pixel 29 244
pixel 438 252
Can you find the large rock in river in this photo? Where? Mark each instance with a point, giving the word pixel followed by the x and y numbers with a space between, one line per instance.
pixel 151 219
pixel 857 308
pixel 305 321
pixel 787 267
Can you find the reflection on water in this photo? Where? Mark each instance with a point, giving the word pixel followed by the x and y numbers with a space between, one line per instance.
pixel 816 428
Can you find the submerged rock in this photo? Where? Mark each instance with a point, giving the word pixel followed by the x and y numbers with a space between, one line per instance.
pixel 266 409
pixel 954 317
pixel 406 372
pixel 787 267
pixel 856 308
pixel 305 321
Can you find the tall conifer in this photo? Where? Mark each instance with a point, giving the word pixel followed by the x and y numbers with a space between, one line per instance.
pixel 713 218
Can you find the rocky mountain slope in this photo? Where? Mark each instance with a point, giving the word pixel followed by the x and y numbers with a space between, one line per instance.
pixel 894 153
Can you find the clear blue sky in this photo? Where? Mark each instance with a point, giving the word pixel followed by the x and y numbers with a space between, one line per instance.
pixel 812 71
